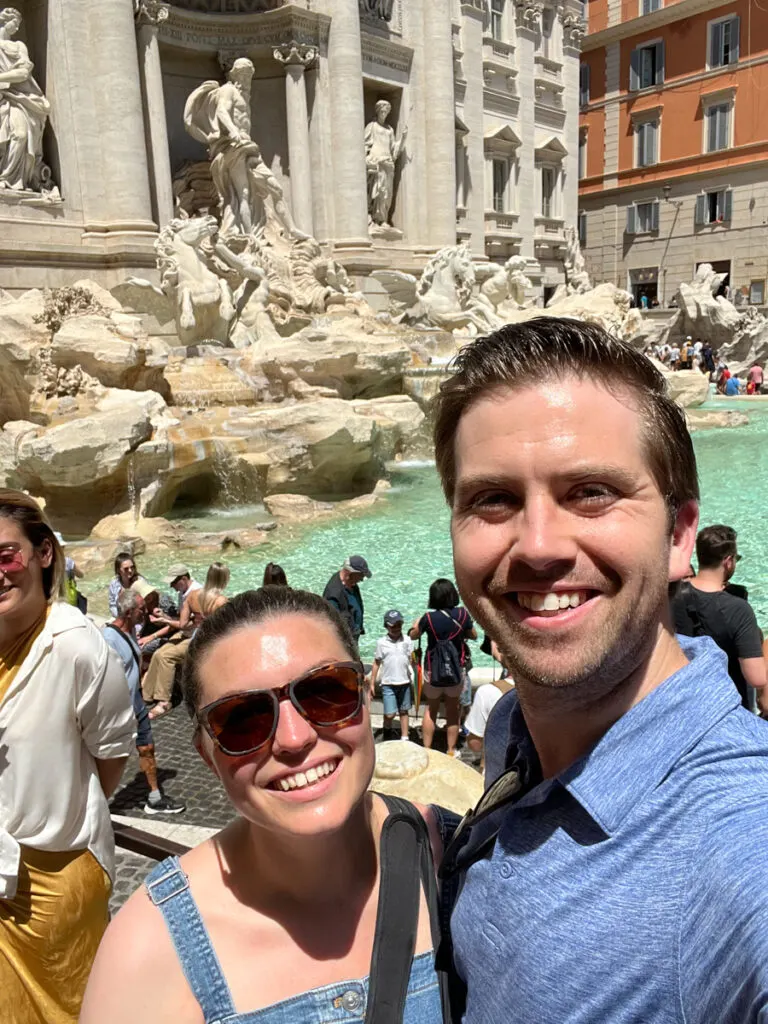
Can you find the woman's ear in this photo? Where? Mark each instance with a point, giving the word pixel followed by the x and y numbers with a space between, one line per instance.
pixel 45 552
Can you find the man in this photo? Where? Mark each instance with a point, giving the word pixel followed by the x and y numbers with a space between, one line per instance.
pixel 732 386
pixel 158 682
pixel 703 607
pixel 611 886
pixel 755 378
pixel 119 634
pixel 674 357
pixel 343 592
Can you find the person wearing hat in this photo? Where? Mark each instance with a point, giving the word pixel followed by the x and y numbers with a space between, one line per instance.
pixel 343 592
pixel 392 666
pixel 158 682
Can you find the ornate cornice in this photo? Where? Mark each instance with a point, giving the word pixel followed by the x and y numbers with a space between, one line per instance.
pixel 528 12
pixel 294 53
pixel 150 12
pixel 574 30
pixel 243 35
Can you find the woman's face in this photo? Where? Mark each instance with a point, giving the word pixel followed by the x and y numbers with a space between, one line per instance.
pixel 127 573
pixel 11 26
pixel 21 569
pixel 267 656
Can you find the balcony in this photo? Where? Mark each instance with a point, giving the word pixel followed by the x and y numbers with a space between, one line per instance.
pixel 548 232
pixel 501 228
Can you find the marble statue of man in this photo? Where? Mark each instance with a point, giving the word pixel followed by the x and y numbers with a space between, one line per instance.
pixel 382 152
pixel 23 111
pixel 219 115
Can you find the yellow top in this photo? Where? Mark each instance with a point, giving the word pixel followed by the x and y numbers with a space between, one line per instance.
pixel 13 658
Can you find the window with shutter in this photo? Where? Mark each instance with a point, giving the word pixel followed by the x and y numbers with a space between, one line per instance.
pixel 646 67
pixel 631 220
pixel 655 215
pixel 700 215
pixel 658 71
pixel 497 19
pixel 647 135
pixel 718 127
pixel 724 42
pixel 715 44
pixel 583 84
pixel 728 205
pixel 634 70
pixel 649 6
pixel 500 179
pixel 582 221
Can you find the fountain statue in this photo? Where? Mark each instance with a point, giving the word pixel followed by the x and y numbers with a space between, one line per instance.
pixel 23 114
pixel 505 286
pixel 382 151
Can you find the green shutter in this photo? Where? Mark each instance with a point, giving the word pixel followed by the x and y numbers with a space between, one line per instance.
pixel 631 219
pixel 728 205
pixel 700 215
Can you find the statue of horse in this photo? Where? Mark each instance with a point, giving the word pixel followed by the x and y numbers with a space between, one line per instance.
pixel 184 253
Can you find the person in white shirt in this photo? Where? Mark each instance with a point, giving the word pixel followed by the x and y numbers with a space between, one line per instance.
pixel 157 686
pixel 392 667
pixel 483 703
pixel 66 730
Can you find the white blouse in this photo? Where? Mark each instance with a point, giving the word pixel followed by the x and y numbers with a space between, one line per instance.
pixel 68 705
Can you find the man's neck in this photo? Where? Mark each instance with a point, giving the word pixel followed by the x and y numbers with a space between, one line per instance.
pixel 711 581
pixel 122 625
pixel 564 730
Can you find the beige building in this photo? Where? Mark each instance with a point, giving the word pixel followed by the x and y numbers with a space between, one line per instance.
pixel 478 140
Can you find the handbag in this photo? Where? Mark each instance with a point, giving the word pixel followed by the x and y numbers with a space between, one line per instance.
pixel 406 866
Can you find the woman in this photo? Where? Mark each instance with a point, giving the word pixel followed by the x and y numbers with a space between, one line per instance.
pixel 126 574
pixel 67 727
pixel 202 603
pixel 274 576
pixel 23 111
pixel 449 623
pixel 287 894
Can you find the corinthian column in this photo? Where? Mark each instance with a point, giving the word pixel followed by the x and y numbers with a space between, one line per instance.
pixel 149 15
pixel 345 61
pixel 295 58
pixel 440 124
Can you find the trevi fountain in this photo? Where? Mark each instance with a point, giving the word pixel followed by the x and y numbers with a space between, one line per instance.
pixel 245 389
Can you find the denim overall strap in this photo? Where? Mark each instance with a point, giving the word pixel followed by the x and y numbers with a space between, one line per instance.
pixel 168 888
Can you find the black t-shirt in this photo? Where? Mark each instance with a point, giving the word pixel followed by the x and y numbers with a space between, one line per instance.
pixel 446 624
pixel 730 622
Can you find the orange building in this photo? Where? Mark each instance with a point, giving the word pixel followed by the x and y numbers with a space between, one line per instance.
pixel 673 144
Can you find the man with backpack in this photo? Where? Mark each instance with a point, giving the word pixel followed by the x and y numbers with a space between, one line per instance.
pixel 703 606
pixel 120 635
pixel 447 627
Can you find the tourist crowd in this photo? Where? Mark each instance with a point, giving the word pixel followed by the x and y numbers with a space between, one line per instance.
pixel 609 871
pixel 698 355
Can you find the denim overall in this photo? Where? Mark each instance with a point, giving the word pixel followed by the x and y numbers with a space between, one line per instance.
pixel 342 1003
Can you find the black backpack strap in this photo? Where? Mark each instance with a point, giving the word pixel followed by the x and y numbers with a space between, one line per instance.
pixel 111 625
pixel 406 864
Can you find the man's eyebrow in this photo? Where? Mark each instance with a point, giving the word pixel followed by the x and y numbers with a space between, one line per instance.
pixel 614 474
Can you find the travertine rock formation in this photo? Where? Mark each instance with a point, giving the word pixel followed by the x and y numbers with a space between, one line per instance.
pixel 425 776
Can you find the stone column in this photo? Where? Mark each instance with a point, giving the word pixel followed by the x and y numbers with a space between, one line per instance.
pixel 440 124
pixel 295 58
pixel 149 15
pixel 345 61
pixel 112 70
pixel 472 44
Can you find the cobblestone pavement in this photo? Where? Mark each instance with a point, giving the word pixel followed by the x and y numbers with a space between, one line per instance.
pixel 184 776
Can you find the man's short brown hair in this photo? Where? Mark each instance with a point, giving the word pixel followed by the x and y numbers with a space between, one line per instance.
pixel 523 355
pixel 715 543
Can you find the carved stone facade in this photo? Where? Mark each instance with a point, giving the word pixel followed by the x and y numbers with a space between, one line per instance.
pixel 485 93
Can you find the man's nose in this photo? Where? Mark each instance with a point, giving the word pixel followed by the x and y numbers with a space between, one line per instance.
pixel 293 733
pixel 546 534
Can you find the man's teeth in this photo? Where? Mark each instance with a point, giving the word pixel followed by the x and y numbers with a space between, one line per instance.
pixel 551 602
pixel 307 778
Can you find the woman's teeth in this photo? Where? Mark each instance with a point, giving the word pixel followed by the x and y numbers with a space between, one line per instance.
pixel 307 778
pixel 551 602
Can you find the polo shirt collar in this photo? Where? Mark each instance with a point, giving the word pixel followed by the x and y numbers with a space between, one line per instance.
pixel 640 750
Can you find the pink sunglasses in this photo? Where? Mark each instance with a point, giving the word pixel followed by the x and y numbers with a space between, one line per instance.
pixel 12 560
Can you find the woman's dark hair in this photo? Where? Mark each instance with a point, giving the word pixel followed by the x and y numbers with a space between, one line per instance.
pixel 274 576
pixel 443 595
pixel 251 609
pixel 124 556
pixel 28 516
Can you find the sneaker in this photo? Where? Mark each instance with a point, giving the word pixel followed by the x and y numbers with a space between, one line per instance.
pixel 165 805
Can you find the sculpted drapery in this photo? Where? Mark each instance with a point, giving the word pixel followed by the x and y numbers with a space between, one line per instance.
pixel 23 111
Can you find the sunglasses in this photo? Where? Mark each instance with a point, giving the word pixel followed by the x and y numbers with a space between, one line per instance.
pixel 12 560
pixel 465 847
pixel 244 722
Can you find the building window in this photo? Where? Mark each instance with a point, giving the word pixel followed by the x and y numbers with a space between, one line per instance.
pixel 547 26
pixel 582 221
pixel 757 293
pixel 723 42
pixel 714 207
pixel 643 217
pixel 717 120
pixel 497 19
pixel 647 151
pixel 548 192
pixel 500 185
pixel 646 67
pixel 583 155
pixel 583 84
pixel 649 6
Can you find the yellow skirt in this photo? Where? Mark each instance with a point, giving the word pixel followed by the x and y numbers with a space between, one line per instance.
pixel 49 934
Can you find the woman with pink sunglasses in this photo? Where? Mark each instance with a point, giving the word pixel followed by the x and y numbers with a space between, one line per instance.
pixel 300 911
pixel 66 729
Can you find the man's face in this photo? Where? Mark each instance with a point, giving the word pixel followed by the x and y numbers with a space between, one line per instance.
pixel 139 613
pixel 561 539
pixel 180 584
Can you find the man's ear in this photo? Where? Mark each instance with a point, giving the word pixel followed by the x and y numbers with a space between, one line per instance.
pixel 683 540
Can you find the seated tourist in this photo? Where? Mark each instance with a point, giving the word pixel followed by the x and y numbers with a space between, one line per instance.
pixel 202 603
pixel 126 574
pixel 157 685
pixel 274 918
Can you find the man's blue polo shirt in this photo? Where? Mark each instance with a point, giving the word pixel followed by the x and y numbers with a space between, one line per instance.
pixel 634 886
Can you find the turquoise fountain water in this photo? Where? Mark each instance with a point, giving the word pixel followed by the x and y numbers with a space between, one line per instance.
pixel 406 541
